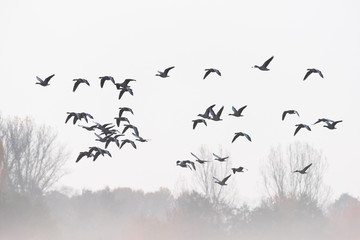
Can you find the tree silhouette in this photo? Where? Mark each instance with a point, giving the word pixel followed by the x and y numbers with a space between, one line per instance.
pixel 32 158
pixel 279 178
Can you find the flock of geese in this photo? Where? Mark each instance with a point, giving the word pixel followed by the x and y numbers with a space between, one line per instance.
pixel 108 134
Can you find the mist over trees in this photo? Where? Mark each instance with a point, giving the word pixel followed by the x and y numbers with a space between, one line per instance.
pixel 293 205
pixel 32 161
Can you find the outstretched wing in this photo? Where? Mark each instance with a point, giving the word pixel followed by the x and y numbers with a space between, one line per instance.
pixel 268 61
pixel 308 73
pixel 216 155
pixel 167 70
pixel 283 115
pixel 76 85
pixel 195 156
pixel 319 72
pixel 208 71
pixel 247 136
pixel 48 78
pixel 297 129
pixel 306 168
pixel 226 178
pixel 235 137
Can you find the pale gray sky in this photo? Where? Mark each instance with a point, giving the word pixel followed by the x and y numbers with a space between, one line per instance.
pixel 134 39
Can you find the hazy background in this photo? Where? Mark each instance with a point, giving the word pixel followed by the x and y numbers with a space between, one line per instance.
pixel 134 39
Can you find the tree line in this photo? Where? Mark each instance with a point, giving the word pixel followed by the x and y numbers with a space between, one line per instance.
pixel 293 206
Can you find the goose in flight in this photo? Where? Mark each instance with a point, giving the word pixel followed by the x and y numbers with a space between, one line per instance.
pixel 237 113
pixel 303 171
pixel 78 81
pixel 83 154
pixel 331 125
pixel 124 84
pixel 264 66
pixel 222 182
pixel 106 78
pixel 323 120
pixel 45 82
pixel 186 164
pixel 196 121
pixel 216 117
pixel 74 115
pixel 108 139
pixel 123 142
pixel 84 115
pixel 98 151
pixel 121 119
pixel 199 160
pixel 299 126
pixel 220 159
pixel 125 109
pixel 239 169
pixel 165 73
pixel 140 139
pixel 125 89
pixel 207 112
pixel 127 126
pixel 241 134
pixel 313 70
pixel 91 128
pixel 210 70
pixel 289 112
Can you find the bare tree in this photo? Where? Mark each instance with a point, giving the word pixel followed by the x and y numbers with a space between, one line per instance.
pixel 279 178
pixel 204 174
pixel 32 160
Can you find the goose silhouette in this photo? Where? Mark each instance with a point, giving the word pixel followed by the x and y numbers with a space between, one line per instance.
pixel 265 64
pixel 45 82
pixel 165 73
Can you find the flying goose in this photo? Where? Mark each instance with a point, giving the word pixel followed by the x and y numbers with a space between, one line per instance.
pixel 207 112
pixel 125 109
pixel 331 125
pixel 220 159
pixel 140 139
pixel 74 115
pixel 127 126
pixel 199 160
pixel 313 70
pixel 124 84
pixel 84 115
pixel 123 142
pixel 289 112
pixel 106 78
pixel 303 171
pixel 98 152
pixel 216 117
pixel 78 81
pixel 125 89
pixel 237 113
pixel 299 126
pixel 91 128
pixel 239 169
pixel 264 66
pixel 45 82
pixel 121 119
pixel 165 73
pixel 186 164
pixel 82 154
pixel 210 70
pixel 323 120
pixel 241 134
pixel 222 182
pixel 196 121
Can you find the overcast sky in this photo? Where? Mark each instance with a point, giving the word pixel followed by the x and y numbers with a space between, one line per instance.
pixel 135 39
